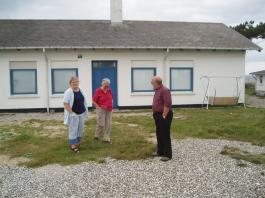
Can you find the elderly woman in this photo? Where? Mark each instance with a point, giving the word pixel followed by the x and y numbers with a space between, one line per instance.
pixel 75 111
pixel 103 100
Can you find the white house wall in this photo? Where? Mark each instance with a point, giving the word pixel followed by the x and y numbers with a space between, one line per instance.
pixel 210 63
pixel 260 87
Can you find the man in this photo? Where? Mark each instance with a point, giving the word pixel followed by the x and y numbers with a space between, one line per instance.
pixel 162 113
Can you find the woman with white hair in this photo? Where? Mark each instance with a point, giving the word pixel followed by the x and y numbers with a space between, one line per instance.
pixel 103 101
pixel 75 111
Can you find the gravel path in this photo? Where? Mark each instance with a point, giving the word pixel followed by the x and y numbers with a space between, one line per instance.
pixel 197 170
pixel 15 118
pixel 254 101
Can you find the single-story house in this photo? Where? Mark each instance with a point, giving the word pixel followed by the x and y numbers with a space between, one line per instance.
pixel 260 82
pixel 37 57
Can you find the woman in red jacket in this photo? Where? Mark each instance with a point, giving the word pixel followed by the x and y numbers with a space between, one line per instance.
pixel 103 101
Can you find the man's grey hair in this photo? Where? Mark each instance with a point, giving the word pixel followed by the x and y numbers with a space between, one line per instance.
pixel 158 80
pixel 105 80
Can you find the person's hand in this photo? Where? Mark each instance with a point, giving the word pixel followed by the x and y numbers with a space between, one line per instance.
pixel 164 116
pixel 73 114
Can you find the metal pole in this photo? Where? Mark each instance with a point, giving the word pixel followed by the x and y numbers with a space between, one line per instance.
pixel 47 81
pixel 165 67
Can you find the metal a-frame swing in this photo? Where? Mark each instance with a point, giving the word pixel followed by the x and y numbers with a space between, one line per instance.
pixel 211 98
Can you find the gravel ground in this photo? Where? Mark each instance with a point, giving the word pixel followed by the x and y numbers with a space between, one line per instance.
pixel 14 118
pixel 197 170
pixel 254 101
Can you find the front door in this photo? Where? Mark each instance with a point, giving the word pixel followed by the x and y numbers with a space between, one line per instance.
pixel 105 69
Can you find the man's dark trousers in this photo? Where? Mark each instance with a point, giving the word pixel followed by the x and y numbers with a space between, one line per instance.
pixel 163 133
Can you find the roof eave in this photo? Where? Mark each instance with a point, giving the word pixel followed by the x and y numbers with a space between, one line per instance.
pixel 130 47
pixel 257 73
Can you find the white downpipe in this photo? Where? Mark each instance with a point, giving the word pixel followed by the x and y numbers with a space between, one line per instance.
pixel 165 79
pixel 47 81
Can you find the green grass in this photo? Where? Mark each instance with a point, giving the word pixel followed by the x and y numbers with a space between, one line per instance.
pixel 238 154
pixel 234 123
pixel 129 143
pixel 261 97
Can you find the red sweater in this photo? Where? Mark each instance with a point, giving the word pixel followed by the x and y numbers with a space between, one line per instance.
pixel 104 100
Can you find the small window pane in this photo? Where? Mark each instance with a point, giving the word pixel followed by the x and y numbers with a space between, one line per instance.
pixel 181 79
pixel 104 64
pixel 142 79
pixel 60 79
pixel 23 82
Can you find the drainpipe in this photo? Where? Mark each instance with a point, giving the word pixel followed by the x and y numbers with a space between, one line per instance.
pixel 47 80
pixel 165 79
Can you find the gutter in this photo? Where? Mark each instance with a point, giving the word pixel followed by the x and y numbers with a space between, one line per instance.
pixel 47 80
pixel 165 79
pixel 133 47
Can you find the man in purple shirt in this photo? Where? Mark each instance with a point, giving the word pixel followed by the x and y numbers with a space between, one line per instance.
pixel 162 113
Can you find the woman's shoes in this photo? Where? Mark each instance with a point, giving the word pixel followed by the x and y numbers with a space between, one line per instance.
pixel 104 141
pixel 75 148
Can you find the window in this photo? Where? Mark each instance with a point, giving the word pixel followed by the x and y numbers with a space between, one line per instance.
pixel 23 81
pixel 60 79
pixel 141 79
pixel 181 79
pixel 260 79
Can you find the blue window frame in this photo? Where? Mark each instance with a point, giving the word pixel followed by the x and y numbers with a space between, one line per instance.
pixel 141 79
pixel 23 81
pixel 181 79
pixel 60 79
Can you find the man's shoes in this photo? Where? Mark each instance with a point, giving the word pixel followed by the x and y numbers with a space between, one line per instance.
pixel 165 159
pixel 155 154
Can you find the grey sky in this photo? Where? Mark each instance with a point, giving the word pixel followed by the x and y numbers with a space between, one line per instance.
pixel 227 11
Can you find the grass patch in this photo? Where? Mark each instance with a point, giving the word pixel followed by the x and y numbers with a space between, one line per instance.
pixel 238 154
pixel 240 163
pixel 45 142
pixel 232 123
pixel 129 143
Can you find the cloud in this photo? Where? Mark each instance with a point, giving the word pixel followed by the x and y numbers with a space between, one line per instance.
pixel 255 61
pixel 229 12
pixel 54 9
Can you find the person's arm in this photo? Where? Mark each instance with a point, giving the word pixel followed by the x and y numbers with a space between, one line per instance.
pixel 95 99
pixel 112 97
pixel 167 102
pixel 95 104
pixel 66 101
pixel 165 111
pixel 68 107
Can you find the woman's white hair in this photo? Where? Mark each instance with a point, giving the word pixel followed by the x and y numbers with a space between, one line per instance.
pixel 105 80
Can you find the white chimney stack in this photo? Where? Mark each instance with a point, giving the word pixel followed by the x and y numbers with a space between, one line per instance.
pixel 116 11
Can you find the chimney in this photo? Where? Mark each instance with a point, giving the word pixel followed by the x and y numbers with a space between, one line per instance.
pixel 116 12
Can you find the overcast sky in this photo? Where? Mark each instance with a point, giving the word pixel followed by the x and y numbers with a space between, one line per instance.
pixel 229 12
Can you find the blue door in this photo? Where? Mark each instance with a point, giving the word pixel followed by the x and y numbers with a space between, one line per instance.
pixel 105 69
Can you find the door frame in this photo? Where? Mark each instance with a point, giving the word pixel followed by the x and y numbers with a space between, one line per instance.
pixel 117 78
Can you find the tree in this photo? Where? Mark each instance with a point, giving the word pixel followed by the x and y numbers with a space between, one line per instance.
pixel 250 30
